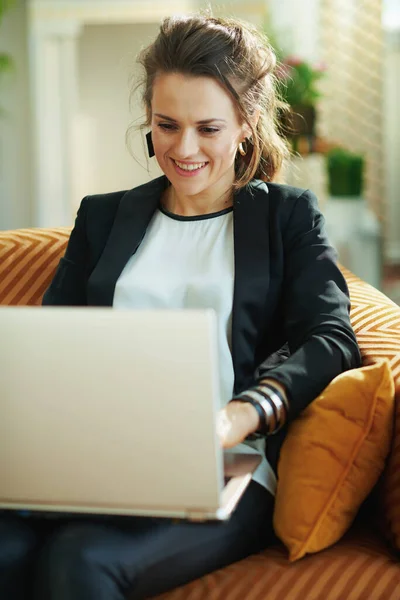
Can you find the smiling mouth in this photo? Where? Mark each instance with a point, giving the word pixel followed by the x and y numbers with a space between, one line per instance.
pixel 190 167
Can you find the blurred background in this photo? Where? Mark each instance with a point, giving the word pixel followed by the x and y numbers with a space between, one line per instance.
pixel 67 66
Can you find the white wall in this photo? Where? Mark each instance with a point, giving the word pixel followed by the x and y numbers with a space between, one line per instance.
pixel 106 61
pixel 15 134
pixel 297 26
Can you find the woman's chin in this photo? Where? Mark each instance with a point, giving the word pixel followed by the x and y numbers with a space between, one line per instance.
pixel 188 186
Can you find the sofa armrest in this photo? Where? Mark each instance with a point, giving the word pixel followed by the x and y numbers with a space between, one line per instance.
pixel 376 322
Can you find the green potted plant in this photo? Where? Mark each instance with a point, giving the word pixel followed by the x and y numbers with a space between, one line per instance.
pixel 352 227
pixel 345 173
pixel 298 87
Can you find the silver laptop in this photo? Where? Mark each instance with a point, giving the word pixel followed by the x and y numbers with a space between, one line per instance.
pixel 114 412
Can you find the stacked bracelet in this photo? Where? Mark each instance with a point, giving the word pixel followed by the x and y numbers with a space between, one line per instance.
pixel 273 404
pixel 275 392
pixel 278 403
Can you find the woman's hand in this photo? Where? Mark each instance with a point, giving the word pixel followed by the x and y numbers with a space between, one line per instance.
pixel 235 422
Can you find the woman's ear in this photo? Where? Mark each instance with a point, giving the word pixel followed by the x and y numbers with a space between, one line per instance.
pixel 256 116
pixel 254 120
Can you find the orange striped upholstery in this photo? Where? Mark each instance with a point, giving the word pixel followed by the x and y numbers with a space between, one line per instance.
pixel 28 258
pixel 359 567
pixel 376 322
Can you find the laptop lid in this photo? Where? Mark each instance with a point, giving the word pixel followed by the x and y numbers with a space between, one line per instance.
pixel 109 411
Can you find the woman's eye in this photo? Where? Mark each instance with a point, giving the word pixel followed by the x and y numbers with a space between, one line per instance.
pixel 166 126
pixel 209 130
pixel 171 127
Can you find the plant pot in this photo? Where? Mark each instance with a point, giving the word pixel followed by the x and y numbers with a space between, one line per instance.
pixel 354 230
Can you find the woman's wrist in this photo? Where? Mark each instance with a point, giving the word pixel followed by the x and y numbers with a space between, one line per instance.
pixel 253 417
pixel 250 414
pixel 269 401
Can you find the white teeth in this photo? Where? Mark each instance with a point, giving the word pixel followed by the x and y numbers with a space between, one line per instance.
pixel 190 167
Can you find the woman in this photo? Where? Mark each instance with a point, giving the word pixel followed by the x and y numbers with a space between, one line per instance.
pixel 212 232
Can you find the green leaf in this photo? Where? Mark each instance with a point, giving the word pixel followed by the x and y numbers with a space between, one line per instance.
pixel 5 5
pixel 300 86
pixel 6 63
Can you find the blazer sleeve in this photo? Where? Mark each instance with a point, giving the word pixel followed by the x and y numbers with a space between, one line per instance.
pixel 316 307
pixel 68 287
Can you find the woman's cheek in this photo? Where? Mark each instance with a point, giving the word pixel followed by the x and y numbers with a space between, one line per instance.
pixel 160 149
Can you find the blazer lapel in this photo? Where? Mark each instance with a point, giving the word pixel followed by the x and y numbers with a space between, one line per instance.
pixel 133 216
pixel 252 272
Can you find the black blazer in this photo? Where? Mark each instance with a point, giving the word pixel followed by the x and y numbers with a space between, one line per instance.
pixel 290 318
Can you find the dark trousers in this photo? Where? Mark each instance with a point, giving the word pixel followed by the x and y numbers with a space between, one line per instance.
pixel 119 558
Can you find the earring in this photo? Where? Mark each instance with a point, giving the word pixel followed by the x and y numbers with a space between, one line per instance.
pixel 150 147
pixel 242 151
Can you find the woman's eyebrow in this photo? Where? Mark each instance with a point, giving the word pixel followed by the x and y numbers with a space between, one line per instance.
pixel 203 122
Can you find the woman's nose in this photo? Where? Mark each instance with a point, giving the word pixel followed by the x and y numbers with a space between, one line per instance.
pixel 186 145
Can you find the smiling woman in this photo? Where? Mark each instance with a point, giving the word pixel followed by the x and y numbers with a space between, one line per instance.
pixel 214 232
pixel 195 149
pixel 223 81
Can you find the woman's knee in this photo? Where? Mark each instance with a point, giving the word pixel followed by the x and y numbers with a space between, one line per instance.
pixel 69 550
pixel 73 565
pixel 18 546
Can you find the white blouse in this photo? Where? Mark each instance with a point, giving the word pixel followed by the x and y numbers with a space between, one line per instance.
pixel 188 262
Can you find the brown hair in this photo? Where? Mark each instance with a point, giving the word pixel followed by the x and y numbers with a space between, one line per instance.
pixel 238 56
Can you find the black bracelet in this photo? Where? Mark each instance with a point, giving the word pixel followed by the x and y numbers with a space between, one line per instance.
pixel 278 407
pixel 262 426
pixel 265 395
pixel 275 390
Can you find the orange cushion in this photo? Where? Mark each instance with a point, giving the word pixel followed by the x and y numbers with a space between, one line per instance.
pixel 332 457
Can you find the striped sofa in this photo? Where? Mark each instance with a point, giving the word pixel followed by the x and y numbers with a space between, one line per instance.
pixel 364 564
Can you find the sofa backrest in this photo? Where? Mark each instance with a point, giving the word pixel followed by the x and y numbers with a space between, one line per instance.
pixel 28 259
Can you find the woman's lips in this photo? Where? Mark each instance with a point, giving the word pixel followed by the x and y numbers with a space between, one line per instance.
pixel 185 173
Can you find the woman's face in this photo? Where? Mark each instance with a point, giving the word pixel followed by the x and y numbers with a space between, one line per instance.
pixel 196 133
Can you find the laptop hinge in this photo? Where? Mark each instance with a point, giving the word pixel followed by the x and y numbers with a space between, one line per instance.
pixel 196 515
